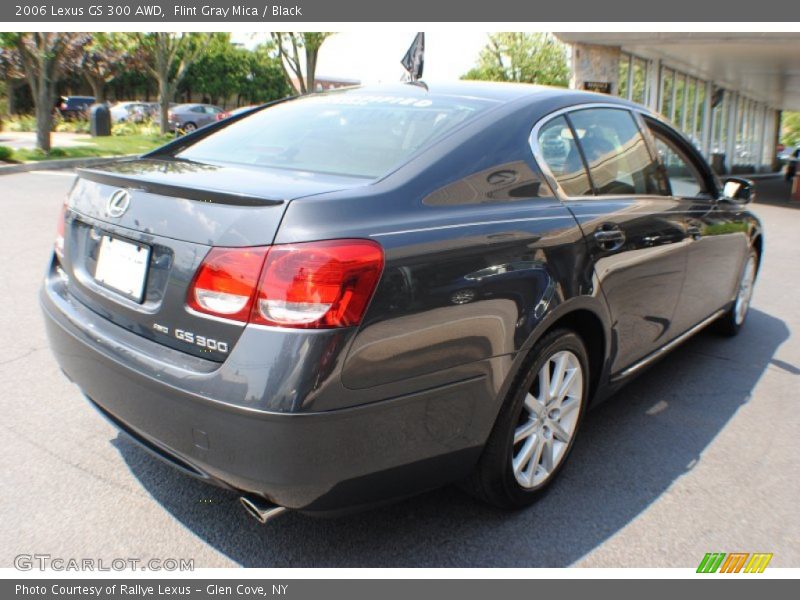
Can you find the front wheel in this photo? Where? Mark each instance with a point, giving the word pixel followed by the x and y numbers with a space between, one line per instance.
pixel 731 322
pixel 537 426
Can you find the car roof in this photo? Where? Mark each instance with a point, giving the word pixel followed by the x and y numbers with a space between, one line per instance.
pixel 192 104
pixel 500 92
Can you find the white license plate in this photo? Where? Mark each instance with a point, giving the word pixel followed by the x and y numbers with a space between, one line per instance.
pixel 122 266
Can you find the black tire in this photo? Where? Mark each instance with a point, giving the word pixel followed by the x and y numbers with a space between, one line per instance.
pixel 730 324
pixel 189 127
pixel 493 480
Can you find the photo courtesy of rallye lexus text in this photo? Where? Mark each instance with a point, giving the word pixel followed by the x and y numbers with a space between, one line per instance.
pixel 351 297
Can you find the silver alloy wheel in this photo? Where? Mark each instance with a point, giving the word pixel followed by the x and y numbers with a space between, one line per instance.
pixel 745 290
pixel 548 420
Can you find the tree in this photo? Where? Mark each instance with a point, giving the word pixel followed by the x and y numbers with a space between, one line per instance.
pixel 44 58
pixel 12 76
pixel 102 60
pixel 790 128
pixel 522 57
pixel 133 83
pixel 289 45
pixel 265 79
pixel 168 58
pixel 219 70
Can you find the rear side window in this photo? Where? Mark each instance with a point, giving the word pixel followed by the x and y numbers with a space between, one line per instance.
pixel 342 133
pixel 684 179
pixel 561 155
pixel 617 155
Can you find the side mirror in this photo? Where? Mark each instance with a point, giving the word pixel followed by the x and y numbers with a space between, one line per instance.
pixel 739 189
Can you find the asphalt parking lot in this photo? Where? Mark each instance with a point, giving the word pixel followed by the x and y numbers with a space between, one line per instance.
pixel 699 454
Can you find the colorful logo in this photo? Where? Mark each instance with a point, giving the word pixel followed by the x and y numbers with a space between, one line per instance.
pixel 734 562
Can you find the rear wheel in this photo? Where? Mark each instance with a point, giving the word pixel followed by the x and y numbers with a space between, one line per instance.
pixel 731 322
pixel 537 426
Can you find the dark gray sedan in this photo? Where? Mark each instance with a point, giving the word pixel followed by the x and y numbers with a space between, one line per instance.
pixel 189 117
pixel 354 296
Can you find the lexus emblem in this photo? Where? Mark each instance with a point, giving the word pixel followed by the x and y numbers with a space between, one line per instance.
pixel 118 203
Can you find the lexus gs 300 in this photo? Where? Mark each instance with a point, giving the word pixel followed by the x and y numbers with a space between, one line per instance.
pixel 341 299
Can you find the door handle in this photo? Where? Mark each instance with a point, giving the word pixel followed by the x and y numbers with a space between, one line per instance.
pixel 610 238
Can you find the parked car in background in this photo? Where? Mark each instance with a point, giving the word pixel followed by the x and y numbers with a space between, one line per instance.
pixel 74 107
pixel 236 111
pixel 153 109
pixel 135 112
pixel 189 117
pixel 350 297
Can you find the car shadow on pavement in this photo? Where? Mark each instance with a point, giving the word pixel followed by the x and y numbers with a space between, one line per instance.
pixel 632 448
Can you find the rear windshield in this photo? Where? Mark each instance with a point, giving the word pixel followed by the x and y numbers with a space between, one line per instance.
pixel 341 133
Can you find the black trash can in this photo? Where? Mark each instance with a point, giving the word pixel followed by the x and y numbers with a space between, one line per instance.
pixel 718 163
pixel 99 120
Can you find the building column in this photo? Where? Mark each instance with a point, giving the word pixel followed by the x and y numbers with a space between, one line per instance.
pixel 775 137
pixel 732 133
pixel 653 86
pixel 707 130
pixel 595 68
pixel 763 157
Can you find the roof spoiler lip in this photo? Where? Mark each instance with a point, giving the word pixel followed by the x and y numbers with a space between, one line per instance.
pixel 135 182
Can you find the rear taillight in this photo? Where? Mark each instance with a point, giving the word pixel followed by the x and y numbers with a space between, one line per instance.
pixel 60 230
pixel 309 285
pixel 63 106
pixel 318 284
pixel 226 282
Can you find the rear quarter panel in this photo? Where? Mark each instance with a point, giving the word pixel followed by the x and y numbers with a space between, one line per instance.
pixel 478 254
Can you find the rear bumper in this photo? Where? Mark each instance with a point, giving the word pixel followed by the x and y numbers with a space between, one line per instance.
pixel 327 461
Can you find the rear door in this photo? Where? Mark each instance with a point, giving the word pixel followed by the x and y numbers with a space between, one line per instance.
pixel 717 229
pixel 608 177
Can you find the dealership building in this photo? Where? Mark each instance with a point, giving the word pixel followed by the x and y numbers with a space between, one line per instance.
pixel 725 91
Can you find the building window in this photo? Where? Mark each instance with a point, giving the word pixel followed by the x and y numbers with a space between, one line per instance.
pixel 633 78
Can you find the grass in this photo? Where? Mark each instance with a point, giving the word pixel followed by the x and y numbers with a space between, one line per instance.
pixel 97 147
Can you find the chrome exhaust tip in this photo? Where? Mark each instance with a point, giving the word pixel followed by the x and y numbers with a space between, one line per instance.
pixel 261 510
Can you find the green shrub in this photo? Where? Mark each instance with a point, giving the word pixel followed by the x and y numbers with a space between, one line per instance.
pixel 6 153
pixel 20 123
pixel 75 126
pixel 27 123
pixel 57 153
pixel 147 127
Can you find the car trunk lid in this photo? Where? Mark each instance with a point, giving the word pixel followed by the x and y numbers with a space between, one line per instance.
pixel 137 232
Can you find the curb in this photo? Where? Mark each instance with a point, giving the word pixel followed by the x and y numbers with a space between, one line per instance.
pixel 64 163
